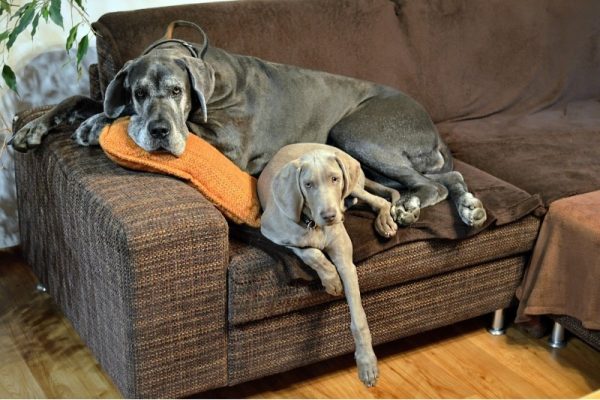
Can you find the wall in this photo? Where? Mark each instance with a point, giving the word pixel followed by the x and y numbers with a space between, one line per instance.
pixel 46 75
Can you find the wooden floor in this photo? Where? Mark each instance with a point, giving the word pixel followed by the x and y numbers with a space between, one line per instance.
pixel 41 356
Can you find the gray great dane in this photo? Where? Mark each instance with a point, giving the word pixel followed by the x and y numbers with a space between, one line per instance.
pixel 250 108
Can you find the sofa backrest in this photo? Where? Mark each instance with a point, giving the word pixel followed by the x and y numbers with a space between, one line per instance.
pixel 340 36
pixel 460 58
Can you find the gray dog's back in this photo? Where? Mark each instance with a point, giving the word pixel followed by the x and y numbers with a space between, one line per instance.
pixel 295 105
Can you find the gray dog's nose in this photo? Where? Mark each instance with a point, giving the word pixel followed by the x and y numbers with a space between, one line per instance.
pixel 158 129
pixel 328 215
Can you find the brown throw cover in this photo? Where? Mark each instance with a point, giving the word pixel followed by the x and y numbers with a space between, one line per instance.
pixel 554 152
pixel 565 267
pixel 504 203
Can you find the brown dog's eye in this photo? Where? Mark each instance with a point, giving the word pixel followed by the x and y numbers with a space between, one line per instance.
pixel 334 179
pixel 176 91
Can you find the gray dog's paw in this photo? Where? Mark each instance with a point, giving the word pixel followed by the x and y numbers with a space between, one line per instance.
pixel 368 372
pixel 89 131
pixel 471 210
pixel 408 211
pixel 385 224
pixel 332 283
pixel 30 135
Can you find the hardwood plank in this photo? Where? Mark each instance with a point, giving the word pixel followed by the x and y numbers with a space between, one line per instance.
pixel 52 357
pixel 42 356
pixel 595 395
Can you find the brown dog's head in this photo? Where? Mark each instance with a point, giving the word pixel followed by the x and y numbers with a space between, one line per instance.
pixel 316 184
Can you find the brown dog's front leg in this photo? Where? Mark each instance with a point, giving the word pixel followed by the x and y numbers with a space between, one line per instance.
pixel 384 223
pixel 315 259
pixel 340 252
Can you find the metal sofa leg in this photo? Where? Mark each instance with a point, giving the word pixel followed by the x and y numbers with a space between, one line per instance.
pixel 497 327
pixel 557 337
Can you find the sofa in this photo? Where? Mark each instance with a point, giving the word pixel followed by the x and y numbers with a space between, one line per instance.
pixel 172 302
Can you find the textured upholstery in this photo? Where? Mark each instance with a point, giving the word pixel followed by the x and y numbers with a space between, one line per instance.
pixel 258 289
pixel 316 333
pixel 137 262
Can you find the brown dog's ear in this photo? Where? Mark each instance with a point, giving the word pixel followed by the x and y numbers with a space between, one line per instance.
pixel 117 94
pixel 351 171
pixel 286 190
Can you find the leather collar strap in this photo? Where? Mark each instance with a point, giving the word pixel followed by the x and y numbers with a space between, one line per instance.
pixel 310 224
pixel 168 38
pixel 187 45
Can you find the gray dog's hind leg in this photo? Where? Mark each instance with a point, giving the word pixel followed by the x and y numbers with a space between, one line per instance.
pixel 71 111
pixel 469 207
pixel 393 135
pixel 89 131
pixel 417 190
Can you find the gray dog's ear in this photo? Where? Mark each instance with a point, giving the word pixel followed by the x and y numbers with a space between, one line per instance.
pixel 117 94
pixel 351 171
pixel 201 80
pixel 286 190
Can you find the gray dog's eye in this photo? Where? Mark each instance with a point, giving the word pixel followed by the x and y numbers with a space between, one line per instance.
pixel 140 93
pixel 176 91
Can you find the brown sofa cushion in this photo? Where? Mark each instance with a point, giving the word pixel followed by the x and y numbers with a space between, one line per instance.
pixel 554 153
pixel 259 286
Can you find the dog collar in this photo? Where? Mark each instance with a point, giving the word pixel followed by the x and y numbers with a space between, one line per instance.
pixel 168 37
pixel 185 44
pixel 310 223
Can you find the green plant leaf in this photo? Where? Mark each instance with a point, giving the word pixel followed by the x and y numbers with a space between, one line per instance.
pixel 72 36
pixel 55 14
pixel 45 12
pixel 21 10
pixel 34 25
pixel 10 78
pixel 4 36
pixel 4 6
pixel 79 3
pixel 21 25
pixel 82 48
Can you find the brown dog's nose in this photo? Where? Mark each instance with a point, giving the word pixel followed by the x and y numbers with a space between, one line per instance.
pixel 328 215
pixel 158 129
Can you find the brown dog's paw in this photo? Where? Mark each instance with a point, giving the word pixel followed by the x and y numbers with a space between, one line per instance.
pixel 368 372
pixel 385 224
pixel 333 284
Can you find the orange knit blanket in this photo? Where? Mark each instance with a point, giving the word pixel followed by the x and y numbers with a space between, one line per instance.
pixel 230 189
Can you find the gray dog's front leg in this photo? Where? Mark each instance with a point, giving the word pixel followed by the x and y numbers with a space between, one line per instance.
pixel 71 111
pixel 315 259
pixel 89 131
pixel 340 252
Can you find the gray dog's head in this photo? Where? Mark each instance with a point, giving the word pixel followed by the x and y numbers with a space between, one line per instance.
pixel 162 88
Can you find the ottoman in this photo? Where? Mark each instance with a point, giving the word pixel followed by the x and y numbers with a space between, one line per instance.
pixel 563 279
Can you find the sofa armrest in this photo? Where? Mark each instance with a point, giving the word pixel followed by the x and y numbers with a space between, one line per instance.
pixel 136 261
